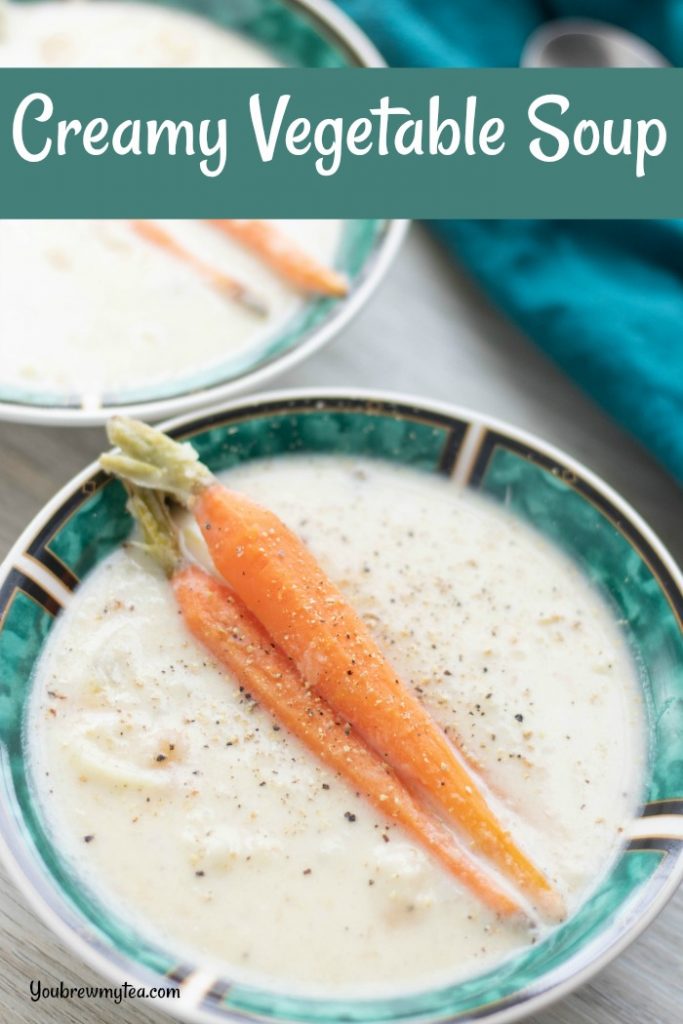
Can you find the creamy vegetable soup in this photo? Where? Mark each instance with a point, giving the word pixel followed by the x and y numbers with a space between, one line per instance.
pixel 199 817
pixel 116 312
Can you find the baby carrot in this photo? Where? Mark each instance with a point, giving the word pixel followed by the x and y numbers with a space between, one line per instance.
pixel 241 293
pixel 219 620
pixel 284 256
pixel 282 585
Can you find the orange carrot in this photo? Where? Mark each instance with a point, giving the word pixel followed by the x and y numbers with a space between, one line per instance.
pixel 241 293
pixel 282 585
pixel 284 256
pixel 219 620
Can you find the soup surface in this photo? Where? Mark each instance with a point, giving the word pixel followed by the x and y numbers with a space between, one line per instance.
pixel 116 313
pixel 236 845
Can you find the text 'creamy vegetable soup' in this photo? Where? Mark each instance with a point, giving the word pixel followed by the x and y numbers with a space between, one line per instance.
pixel 122 310
pixel 194 812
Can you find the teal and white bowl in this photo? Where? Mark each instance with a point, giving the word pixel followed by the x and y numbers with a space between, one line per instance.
pixel 601 533
pixel 299 33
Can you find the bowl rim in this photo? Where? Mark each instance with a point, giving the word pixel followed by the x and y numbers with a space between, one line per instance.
pixel 187 1008
pixel 350 36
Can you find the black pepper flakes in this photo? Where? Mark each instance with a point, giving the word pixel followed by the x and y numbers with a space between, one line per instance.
pixel 349 816
pixel 88 839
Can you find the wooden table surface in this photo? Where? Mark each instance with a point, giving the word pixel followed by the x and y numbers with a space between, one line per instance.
pixel 428 332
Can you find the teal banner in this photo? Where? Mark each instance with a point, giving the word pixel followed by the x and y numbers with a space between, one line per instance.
pixel 428 143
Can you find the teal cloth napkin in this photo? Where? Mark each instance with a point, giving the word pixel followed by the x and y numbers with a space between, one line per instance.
pixel 603 299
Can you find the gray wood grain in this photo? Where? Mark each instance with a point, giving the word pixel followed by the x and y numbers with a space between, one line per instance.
pixel 427 331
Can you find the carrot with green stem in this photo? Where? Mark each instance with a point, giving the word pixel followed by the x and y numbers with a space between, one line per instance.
pixel 219 620
pixel 284 256
pixel 153 233
pixel 282 585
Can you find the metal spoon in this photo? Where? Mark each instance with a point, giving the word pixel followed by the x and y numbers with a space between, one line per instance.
pixel 583 43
